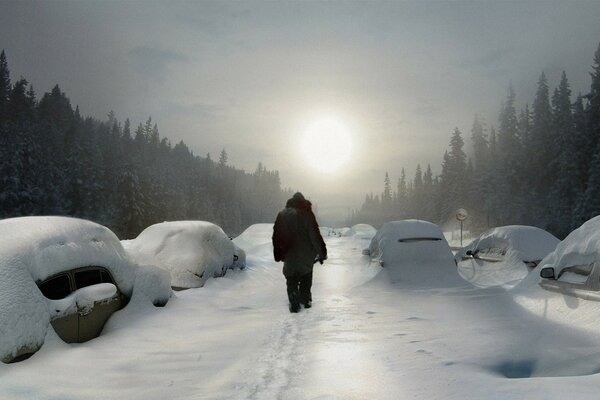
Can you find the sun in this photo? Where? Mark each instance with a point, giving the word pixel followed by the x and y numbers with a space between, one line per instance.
pixel 327 144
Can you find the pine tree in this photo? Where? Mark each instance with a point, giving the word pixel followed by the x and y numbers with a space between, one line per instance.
pixel 223 158
pixel 562 193
pixel 4 86
pixel 480 144
pixel 402 196
pixel 594 100
pixel 386 197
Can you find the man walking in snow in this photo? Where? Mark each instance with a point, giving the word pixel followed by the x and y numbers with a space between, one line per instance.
pixel 297 242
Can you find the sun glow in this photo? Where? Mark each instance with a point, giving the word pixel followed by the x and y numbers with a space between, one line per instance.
pixel 327 145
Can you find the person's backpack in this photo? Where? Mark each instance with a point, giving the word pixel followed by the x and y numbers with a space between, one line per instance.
pixel 285 232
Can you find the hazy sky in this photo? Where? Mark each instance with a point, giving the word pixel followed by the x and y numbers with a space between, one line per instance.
pixel 250 77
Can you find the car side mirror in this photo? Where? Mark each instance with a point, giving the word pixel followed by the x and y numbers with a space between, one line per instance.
pixel 366 252
pixel 547 273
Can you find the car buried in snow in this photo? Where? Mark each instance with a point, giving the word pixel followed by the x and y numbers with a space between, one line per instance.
pixel 573 268
pixel 503 256
pixel 192 251
pixel 67 273
pixel 414 252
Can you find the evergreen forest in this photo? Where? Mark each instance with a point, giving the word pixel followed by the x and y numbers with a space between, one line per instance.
pixel 54 161
pixel 539 166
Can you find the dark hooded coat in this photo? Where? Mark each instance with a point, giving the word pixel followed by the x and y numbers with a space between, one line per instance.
pixel 297 240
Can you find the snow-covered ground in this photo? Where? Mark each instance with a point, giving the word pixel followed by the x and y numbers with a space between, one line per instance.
pixel 364 338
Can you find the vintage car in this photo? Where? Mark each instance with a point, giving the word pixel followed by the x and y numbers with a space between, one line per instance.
pixel 67 273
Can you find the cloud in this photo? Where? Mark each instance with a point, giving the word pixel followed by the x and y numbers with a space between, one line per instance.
pixel 153 61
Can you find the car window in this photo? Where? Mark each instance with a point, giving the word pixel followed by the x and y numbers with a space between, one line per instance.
pixel 577 274
pixel 87 277
pixel 56 288
pixel 106 278
pixel 493 251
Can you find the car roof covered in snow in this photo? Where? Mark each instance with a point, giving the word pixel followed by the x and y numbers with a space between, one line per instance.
pixel 410 229
pixel 45 246
pixel 529 243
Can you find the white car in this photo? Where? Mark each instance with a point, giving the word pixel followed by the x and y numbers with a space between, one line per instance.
pixel 69 273
pixel 192 251
pixel 573 268
pixel 414 252
pixel 503 256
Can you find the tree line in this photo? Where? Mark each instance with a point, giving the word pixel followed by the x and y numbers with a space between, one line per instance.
pixel 540 166
pixel 54 161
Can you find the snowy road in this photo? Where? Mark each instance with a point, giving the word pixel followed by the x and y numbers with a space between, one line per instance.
pixel 363 339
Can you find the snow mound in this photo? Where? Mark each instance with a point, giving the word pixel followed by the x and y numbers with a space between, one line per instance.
pixel 361 231
pixel 192 251
pixel 239 258
pixel 415 253
pixel 152 284
pixel 35 248
pixel 255 235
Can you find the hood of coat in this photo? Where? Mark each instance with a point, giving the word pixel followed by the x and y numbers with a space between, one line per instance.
pixel 298 201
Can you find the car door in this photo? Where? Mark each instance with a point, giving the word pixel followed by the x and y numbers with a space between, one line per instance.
pixel 63 318
pixel 91 320
pixel 73 320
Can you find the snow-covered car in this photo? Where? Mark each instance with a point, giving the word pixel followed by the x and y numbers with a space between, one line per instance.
pixel 69 273
pixel 414 251
pixel 528 243
pixel 504 256
pixel 192 251
pixel 573 268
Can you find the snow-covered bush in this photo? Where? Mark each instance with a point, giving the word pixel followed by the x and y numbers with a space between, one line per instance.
pixel 192 251
pixel 35 248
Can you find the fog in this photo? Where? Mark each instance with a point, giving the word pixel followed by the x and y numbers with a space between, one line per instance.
pixel 250 77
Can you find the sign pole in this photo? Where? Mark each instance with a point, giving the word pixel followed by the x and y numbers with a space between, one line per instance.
pixel 461 215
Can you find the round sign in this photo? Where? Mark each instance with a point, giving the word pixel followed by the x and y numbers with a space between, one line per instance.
pixel 461 214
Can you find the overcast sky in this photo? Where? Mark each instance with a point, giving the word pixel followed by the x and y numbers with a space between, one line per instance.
pixel 250 77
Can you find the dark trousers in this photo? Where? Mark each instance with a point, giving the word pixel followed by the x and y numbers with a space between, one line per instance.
pixel 298 288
